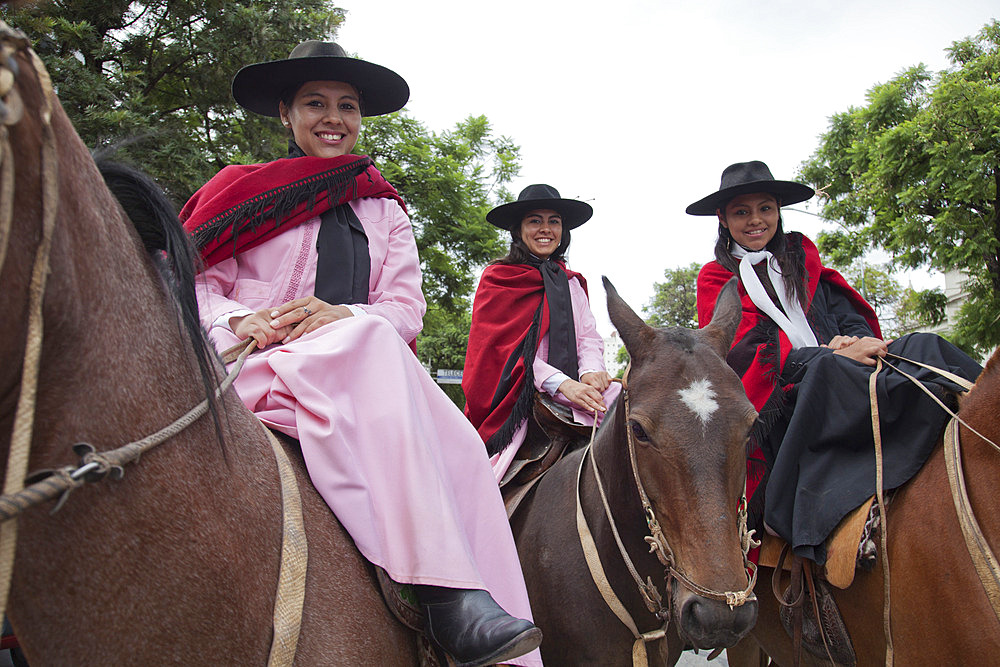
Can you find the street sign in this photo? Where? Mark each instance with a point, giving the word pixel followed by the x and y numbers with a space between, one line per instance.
pixel 449 376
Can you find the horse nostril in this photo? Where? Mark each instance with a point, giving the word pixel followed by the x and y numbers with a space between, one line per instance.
pixel 709 623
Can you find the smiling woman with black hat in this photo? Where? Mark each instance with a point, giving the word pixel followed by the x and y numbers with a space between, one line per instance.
pixel 313 257
pixel 532 327
pixel 805 349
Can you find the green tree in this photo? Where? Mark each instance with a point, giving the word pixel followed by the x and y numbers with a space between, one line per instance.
pixel 916 172
pixel 156 75
pixel 877 285
pixel 920 308
pixel 449 181
pixel 674 300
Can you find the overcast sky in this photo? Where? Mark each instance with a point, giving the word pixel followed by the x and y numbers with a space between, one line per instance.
pixel 636 106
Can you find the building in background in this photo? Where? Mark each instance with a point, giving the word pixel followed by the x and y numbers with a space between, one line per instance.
pixel 612 344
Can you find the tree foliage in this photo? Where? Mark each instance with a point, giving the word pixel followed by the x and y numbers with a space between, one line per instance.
pixel 916 171
pixel 449 181
pixel 674 302
pixel 156 75
pixel 153 79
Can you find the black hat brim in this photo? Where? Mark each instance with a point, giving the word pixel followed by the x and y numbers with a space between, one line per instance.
pixel 787 192
pixel 259 87
pixel 508 216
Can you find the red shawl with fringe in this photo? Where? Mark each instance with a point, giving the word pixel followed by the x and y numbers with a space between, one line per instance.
pixel 502 347
pixel 245 205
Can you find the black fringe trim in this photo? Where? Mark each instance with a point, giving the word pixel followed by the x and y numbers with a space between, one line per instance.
pixel 769 353
pixel 278 204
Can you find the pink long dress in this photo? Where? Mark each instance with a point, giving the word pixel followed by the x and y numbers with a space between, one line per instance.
pixel 392 456
pixel 590 357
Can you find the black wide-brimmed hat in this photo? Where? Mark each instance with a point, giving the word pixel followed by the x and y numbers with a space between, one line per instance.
pixel 745 177
pixel 539 196
pixel 259 87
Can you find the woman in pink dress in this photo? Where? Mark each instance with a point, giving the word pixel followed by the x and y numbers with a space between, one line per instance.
pixel 532 327
pixel 313 257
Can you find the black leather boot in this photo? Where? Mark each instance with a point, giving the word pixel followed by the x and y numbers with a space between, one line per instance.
pixel 472 628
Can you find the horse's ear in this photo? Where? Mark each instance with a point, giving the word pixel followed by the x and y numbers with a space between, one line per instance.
pixel 725 318
pixel 634 332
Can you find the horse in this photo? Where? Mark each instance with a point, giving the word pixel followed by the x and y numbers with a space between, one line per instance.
pixel 177 561
pixel 940 612
pixel 684 414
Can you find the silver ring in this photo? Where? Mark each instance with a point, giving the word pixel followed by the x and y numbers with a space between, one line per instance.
pixel 307 311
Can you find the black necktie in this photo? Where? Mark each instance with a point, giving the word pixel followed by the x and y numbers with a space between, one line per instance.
pixel 344 266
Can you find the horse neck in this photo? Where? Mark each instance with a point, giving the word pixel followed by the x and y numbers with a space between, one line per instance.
pixel 114 364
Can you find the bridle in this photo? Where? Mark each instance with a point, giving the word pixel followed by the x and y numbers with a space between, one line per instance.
pixel 95 466
pixel 11 42
pixel 658 544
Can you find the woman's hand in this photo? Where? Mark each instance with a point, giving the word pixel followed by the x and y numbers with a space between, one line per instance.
pixel 583 395
pixel 840 342
pixel 258 326
pixel 301 316
pixel 599 380
pixel 864 350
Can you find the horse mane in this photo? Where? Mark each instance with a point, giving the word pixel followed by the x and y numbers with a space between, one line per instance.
pixel 155 220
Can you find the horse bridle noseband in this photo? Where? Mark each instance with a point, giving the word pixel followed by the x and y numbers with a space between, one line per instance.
pixel 658 544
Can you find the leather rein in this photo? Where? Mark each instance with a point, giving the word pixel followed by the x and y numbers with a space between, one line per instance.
pixel 95 466
pixel 658 544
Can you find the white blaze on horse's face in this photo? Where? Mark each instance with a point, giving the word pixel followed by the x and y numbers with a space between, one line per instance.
pixel 700 398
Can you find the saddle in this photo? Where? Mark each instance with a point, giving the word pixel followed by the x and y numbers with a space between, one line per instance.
pixel 552 433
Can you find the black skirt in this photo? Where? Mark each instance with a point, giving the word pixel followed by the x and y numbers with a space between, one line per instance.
pixel 820 451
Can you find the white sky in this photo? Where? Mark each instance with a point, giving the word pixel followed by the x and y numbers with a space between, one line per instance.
pixel 636 106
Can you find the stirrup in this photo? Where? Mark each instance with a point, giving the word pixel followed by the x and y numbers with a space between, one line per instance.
pixel 806 599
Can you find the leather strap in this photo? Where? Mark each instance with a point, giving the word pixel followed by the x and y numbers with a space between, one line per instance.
pixel 979 549
pixel 884 532
pixel 290 596
pixel 639 655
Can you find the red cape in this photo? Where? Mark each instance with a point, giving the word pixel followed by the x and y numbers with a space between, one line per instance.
pixel 244 205
pixel 502 315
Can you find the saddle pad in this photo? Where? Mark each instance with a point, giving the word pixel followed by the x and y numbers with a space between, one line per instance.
pixel 841 547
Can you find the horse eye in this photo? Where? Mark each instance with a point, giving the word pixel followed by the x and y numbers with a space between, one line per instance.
pixel 639 432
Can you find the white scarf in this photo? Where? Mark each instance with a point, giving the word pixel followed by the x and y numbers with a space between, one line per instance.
pixel 795 325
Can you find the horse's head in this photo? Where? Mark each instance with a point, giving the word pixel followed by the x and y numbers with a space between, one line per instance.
pixel 688 418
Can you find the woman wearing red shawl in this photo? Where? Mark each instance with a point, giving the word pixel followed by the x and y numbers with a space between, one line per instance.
pixel 532 327
pixel 805 349
pixel 313 257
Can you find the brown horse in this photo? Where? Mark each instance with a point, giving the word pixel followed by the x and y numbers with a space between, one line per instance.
pixel 178 561
pixel 688 418
pixel 939 610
